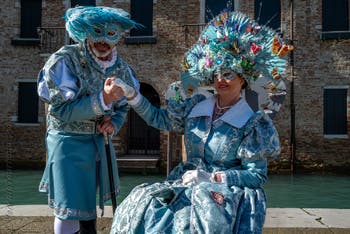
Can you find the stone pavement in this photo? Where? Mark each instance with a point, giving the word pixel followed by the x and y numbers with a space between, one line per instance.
pixel 38 219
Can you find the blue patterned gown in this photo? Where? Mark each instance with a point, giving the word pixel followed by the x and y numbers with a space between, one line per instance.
pixel 237 144
pixel 71 83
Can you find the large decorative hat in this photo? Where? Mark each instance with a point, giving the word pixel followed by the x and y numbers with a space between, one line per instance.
pixel 234 41
pixel 97 23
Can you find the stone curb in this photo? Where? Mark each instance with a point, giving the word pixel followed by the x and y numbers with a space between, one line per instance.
pixel 39 219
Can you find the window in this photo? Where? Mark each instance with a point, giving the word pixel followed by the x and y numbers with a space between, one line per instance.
pixel 268 13
pixel 335 19
pixel 335 112
pixel 214 7
pixel 141 11
pixel 28 102
pixel 30 21
pixel 30 18
pixel 75 3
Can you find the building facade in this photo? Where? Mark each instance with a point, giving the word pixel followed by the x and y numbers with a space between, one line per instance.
pixel 314 122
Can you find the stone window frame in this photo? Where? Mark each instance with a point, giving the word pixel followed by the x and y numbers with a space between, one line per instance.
pixel 25 41
pixel 16 117
pixel 340 136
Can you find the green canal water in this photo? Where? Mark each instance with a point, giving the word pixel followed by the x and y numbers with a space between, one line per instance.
pixel 20 187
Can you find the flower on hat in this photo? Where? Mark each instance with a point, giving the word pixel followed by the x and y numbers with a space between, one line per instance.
pixel 235 41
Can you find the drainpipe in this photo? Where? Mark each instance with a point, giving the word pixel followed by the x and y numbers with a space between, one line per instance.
pixel 292 104
pixel 169 153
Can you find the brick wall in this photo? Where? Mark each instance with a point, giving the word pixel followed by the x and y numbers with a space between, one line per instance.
pixel 318 63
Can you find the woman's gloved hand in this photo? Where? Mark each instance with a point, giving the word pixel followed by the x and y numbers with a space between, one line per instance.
pixel 193 177
pixel 129 92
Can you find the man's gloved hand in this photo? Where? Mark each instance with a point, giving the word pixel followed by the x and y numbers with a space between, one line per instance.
pixel 193 177
pixel 129 92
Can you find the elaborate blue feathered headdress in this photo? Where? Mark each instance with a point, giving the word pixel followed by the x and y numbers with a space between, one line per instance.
pixel 97 23
pixel 234 41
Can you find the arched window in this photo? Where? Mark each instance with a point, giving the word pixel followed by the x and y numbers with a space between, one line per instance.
pixel 143 139
pixel 268 12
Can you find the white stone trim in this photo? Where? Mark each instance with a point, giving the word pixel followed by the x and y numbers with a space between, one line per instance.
pixel 201 11
pixel 26 80
pixel 336 87
pixel 14 119
pixel 336 136
pixel 27 124
pixel 236 5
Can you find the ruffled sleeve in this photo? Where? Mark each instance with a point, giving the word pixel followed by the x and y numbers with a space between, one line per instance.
pixel 260 143
pixel 171 118
pixel 59 86
pixel 260 140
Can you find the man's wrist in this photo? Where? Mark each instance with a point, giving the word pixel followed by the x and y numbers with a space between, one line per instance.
pixel 106 99
pixel 106 106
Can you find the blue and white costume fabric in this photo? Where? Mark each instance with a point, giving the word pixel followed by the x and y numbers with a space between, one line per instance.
pixel 238 145
pixel 72 82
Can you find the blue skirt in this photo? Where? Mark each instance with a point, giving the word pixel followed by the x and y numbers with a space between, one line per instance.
pixel 203 208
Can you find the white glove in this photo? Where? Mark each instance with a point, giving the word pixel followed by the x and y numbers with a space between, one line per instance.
pixel 129 92
pixel 193 177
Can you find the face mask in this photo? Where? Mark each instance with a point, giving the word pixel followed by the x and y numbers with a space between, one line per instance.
pixel 109 33
pixel 225 75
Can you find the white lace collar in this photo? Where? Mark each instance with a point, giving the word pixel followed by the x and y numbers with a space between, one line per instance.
pixel 237 115
pixel 105 64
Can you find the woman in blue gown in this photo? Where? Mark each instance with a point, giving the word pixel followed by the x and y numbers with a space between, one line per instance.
pixel 219 188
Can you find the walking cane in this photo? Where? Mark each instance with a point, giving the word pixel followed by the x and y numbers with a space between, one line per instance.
pixel 110 171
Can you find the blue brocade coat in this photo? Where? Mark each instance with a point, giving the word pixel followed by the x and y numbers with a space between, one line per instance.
pixel 71 84
pixel 237 144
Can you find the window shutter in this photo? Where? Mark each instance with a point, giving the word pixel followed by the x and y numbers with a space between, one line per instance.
pixel 142 12
pixel 75 3
pixel 335 111
pixel 268 13
pixel 214 7
pixel 335 15
pixel 30 18
pixel 28 102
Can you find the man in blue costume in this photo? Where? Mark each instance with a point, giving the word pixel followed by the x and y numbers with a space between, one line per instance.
pixel 83 103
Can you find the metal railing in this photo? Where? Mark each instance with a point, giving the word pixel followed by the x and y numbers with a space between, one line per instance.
pixel 52 38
